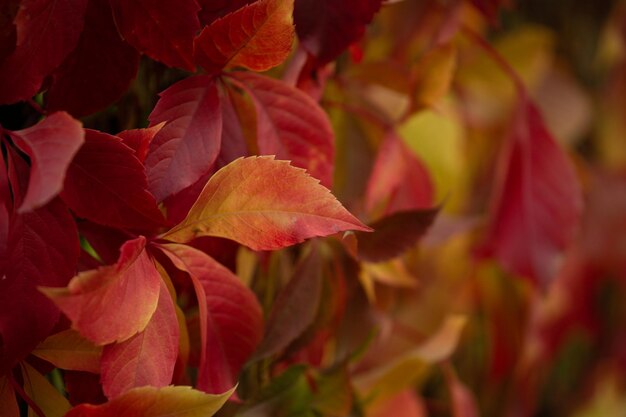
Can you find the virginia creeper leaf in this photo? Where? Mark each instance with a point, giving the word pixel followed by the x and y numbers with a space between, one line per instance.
pixel 51 145
pixel 264 204
pixel 147 358
pixel 139 139
pixel 290 125
pixel 537 202
pixel 42 249
pixel 41 46
pixel 179 401
pixel 8 30
pixel 327 27
pixel 162 29
pixel 112 303
pixel 214 9
pixel 295 307
pixel 257 36
pixel 404 404
pixel 41 391
pixel 106 183
pixel 98 71
pixel 8 402
pixel 230 317
pixel 394 234
pixel 184 149
pixel 69 350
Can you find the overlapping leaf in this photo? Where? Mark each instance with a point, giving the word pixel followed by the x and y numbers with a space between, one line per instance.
pixel 51 145
pixel 162 29
pixel 290 125
pixel 257 36
pixel 106 183
pixel 69 350
pixel 8 402
pixel 186 147
pixel 264 204
pixel 230 317
pixel 112 303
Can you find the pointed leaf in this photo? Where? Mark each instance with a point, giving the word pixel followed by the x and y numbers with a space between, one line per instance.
pixel 264 204
pixel 47 398
pixel 139 139
pixel 394 234
pixel 148 358
pixel 290 125
pixel 98 71
pixel 51 145
pixel 114 302
pixel 538 200
pixel 214 9
pixel 327 27
pixel 8 402
pixel 41 46
pixel 177 401
pixel 257 36
pixel 69 350
pixel 230 317
pixel 106 183
pixel 184 149
pixel 162 29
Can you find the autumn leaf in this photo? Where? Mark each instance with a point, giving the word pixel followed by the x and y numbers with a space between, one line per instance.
pixel 184 149
pixel 290 125
pixel 50 401
pixel 230 317
pixel 179 401
pixel 112 303
pixel 162 29
pixel 264 204
pixel 106 183
pixel 139 139
pixel 257 36
pixel 8 402
pixel 51 145
pixel 69 350
pixel 41 46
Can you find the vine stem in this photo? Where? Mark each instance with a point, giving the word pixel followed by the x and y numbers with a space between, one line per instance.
pixel 25 397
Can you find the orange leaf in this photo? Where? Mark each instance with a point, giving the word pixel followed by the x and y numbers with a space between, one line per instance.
pixel 264 204
pixel 257 36
pixel 69 350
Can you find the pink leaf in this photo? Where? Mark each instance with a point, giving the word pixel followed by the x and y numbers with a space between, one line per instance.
pixel 290 125
pixel 162 29
pixel 98 71
pixel 186 147
pixel 51 145
pixel 230 317
pixel 112 303
pixel 264 204
pixel 147 358
pixel 41 46
pixel 106 183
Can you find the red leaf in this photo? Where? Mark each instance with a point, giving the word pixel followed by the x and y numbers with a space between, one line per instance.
pixel 214 9
pixel 394 234
pixel 327 27
pixel 106 183
pixel 290 125
pixel 98 71
pixel 257 36
pixel 537 200
pixel 148 358
pixel 230 317
pixel 139 139
pixel 51 145
pixel 186 147
pixel 162 29
pixel 8 30
pixel 264 204
pixel 41 46
pixel 398 181
pixel 156 402
pixel 8 402
pixel 114 302
pixel 42 249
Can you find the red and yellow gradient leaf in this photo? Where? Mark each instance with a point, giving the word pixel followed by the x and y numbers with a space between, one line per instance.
pixel 257 36
pixel 231 319
pixel 186 147
pixel 112 303
pixel 264 204
pixel 147 358
pixel 69 350
pixel 162 29
pixel 50 401
pixel 179 401
pixel 8 402
pixel 51 145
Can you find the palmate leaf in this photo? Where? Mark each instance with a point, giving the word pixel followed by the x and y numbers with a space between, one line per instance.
pixel 179 401
pixel 257 36
pixel 264 204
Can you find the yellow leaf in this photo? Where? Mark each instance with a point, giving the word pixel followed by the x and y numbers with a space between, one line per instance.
pixel 69 350
pixel 47 398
